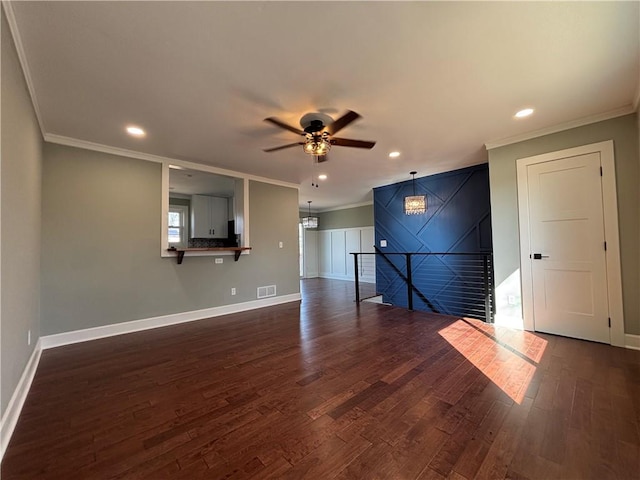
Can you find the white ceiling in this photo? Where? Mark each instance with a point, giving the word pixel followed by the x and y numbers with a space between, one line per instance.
pixel 434 80
pixel 197 182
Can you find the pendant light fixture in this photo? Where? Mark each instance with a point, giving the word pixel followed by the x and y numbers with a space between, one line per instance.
pixel 309 221
pixel 415 204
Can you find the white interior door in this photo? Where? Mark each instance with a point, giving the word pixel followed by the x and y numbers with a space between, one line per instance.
pixel 568 260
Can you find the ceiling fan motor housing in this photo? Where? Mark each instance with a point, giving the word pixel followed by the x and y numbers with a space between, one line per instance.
pixel 314 127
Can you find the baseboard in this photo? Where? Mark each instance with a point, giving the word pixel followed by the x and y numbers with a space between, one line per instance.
pixel 632 341
pixel 347 278
pixel 12 413
pixel 77 336
pixel 513 322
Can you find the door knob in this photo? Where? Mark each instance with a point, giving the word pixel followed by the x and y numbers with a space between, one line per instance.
pixel 538 256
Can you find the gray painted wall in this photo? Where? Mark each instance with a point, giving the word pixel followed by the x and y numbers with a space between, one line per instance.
pixel 20 212
pixel 101 259
pixel 346 218
pixel 504 206
pixel 179 201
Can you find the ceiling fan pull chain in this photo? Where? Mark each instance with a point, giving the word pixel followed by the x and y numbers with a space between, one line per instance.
pixel 316 161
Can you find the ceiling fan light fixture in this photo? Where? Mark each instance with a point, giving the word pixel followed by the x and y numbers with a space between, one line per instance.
pixel 318 145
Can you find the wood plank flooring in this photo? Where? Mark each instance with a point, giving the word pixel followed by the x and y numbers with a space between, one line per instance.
pixel 328 389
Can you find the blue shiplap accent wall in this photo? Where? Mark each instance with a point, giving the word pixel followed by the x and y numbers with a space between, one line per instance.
pixel 458 219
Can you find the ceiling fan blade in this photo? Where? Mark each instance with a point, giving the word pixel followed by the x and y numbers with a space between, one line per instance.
pixel 342 122
pixel 280 124
pixel 346 142
pixel 282 147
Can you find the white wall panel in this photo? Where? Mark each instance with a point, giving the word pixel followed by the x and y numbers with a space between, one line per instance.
pixel 311 266
pixel 352 245
pixel 324 253
pixel 338 261
pixel 334 253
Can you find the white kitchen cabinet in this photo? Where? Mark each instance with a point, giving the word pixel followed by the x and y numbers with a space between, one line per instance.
pixel 209 217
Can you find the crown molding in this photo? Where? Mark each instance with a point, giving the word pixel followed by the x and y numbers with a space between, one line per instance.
pixel 123 152
pixel 99 147
pixel 345 207
pixel 22 58
pixel 618 112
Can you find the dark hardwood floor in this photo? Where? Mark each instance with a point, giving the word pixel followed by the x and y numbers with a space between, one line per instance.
pixel 328 389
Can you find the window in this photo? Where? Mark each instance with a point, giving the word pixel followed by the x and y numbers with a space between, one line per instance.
pixel 178 225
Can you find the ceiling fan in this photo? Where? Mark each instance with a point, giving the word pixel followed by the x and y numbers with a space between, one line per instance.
pixel 318 137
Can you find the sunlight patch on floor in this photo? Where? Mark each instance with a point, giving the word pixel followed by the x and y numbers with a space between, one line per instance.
pixel 507 357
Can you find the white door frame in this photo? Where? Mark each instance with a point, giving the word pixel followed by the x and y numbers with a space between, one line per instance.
pixel 610 206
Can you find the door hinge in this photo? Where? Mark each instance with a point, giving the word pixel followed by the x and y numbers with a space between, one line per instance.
pixel 605 246
pixel 609 322
pixel 600 171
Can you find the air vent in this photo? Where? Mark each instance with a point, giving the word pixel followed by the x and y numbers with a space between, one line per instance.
pixel 268 291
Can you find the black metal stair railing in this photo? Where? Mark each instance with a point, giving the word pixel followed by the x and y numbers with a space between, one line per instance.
pixel 450 283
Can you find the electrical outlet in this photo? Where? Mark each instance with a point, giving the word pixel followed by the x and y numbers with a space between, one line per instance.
pixel 219 260
pixel 280 244
pixel 233 290
pixel 29 337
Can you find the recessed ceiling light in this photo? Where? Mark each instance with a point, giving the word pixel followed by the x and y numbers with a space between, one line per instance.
pixel 524 113
pixel 135 131
pixel 176 167
pixel 394 154
pixel 322 177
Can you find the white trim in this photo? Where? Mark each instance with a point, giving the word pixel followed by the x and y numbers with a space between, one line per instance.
pixel 345 207
pixel 85 335
pixel 12 413
pixel 618 112
pixel 22 57
pixel 183 210
pixel 631 341
pixel 245 239
pixel 610 206
pixel 345 229
pixel 636 99
pixel 123 152
pixel 336 276
pixel 164 222
pixel 612 237
pixel 348 278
